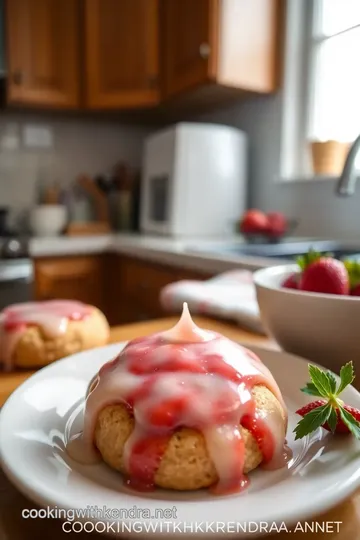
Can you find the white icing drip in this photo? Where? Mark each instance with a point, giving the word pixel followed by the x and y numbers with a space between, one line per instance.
pixel 186 330
pixel 275 424
pixel 109 390
pixel 222 443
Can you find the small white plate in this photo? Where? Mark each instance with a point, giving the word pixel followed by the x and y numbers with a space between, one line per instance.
pixel 41 414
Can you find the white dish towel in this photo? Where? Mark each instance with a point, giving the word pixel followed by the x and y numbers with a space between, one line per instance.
pixel 229 296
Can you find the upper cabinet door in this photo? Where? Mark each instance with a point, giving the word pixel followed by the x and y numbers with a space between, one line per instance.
pixel 190 29
pixel 43 52
pixel 122 53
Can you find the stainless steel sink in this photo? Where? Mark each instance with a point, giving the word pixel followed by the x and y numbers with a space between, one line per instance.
pixel 287 250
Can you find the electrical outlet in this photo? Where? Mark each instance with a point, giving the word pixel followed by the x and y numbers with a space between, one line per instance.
pixel 37 136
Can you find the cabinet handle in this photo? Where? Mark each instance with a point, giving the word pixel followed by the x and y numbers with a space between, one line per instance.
pixel 204 50
pixel 17 77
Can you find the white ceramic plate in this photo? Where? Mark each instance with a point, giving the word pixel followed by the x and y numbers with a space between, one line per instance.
pixel 42 413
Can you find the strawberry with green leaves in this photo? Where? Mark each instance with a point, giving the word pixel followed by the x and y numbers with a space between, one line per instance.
pixel 329 411
pixel 323 274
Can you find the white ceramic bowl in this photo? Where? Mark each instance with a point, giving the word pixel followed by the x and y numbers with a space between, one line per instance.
pixel 48 219
pixel 321 327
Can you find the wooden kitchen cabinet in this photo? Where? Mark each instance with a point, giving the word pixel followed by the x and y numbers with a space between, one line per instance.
pixel 134 287
pixel 232 43
pixel 43 52
pixel 127 289
pixel 189 37
pixel 126 54
pixel 73 278
pixel 122 53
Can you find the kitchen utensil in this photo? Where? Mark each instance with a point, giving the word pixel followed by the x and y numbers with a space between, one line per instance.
pixel 99 200
pixel 123 199
pixel 105 184
pixel 52 194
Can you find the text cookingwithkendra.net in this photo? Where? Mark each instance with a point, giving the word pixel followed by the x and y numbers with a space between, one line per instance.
pixel 98 519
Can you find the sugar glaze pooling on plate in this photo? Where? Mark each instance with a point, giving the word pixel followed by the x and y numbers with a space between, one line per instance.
pixel 189 377
pixel 53 317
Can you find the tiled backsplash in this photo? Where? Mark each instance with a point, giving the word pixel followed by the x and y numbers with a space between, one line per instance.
pixel 79 145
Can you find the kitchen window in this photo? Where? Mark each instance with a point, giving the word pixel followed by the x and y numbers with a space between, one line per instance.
pixel 321 96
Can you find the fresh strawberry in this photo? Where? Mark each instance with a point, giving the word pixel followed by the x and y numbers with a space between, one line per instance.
pixel 328 412
pixel 340 426
pixel 291 282
pixel 323 274
pixel 310 406
pixel 353 269
pixel 254 221
pixel 355 291
pixel 277 224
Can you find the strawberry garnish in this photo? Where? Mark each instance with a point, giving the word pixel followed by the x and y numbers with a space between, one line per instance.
pixel 329 412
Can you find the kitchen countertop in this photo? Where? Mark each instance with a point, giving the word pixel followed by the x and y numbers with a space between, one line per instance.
pixel 13 527
pixel 175 252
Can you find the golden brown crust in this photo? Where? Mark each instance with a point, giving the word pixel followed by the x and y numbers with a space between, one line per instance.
pixel 186 464
pixel 35 349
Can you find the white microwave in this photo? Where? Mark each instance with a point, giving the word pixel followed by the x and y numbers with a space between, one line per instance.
pixel 194 180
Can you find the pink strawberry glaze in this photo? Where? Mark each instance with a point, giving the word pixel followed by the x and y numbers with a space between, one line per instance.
pixel 185 377
pixel 52 316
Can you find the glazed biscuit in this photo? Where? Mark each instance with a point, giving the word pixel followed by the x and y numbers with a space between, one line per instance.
pixel 186 464
pixel 35 348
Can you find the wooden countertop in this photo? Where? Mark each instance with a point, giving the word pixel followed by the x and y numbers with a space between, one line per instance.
pixel 13 527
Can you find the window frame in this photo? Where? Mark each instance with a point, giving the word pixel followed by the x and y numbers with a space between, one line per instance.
pixel 298 97
pixel 295 161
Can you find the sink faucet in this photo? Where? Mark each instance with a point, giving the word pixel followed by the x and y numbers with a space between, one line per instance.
pixel 346 184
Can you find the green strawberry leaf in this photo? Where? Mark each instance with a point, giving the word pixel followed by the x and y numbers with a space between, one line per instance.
pixel 320 380
pixel 307 259
pixel 312 421
pixel 353 268
pixel 311 390
pixel 332 420
pixel 347 376
pixel 312 256
pixel 332 381
pixel 350 422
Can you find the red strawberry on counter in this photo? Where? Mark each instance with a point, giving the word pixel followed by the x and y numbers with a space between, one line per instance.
pixel 278 224
pixel 253 222
pixel 329 412
pixel 323 274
